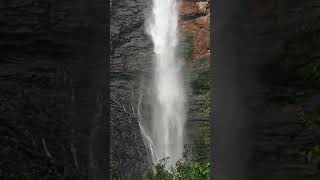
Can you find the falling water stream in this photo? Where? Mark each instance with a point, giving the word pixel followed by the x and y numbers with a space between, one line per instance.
pixel 166 128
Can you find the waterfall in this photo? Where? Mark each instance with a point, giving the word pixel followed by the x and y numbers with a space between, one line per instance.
pixel 168 115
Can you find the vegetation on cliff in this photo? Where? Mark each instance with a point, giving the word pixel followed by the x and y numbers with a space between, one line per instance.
pixel 195 163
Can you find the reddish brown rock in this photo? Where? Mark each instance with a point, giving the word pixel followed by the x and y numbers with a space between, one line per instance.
pixel 188 9
pixel 195 18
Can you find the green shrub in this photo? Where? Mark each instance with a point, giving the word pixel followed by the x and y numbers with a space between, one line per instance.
pixel 200 150
pixel 201 83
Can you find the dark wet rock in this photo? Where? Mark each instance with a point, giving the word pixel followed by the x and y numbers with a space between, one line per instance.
pixel 130 59
pixel 128 153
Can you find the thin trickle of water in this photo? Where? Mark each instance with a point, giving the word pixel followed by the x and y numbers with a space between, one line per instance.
pixel 168 116
pixel 146 138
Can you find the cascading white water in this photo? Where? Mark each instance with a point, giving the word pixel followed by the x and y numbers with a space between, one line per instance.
pixel 168 118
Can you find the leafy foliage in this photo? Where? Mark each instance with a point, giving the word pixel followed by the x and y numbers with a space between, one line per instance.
pixel 201 83
pixel 200 150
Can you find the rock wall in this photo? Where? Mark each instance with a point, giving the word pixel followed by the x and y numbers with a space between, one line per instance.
pixel 130 59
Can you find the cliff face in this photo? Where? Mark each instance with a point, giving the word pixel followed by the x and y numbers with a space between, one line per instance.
pixel 130 58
